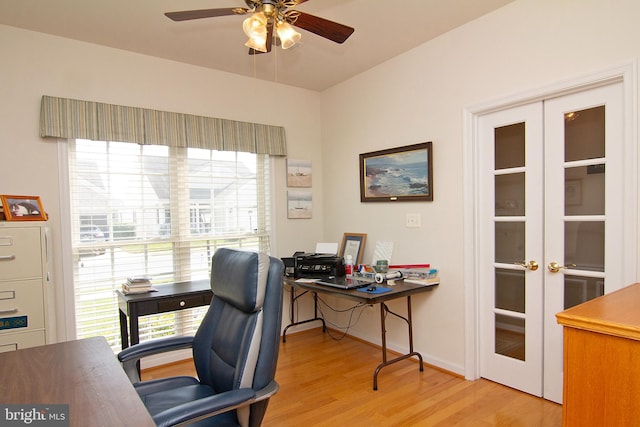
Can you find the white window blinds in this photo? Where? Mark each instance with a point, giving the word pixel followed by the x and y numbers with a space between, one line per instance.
pixel 161 212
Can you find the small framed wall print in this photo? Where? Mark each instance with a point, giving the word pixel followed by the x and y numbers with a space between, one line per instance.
pixel 23 208
pixel 299 204
pixel 298 173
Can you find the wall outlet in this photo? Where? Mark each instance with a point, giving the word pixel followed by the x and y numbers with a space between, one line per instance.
pixel 413 220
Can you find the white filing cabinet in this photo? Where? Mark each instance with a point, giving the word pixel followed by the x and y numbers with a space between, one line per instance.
pixel 23 284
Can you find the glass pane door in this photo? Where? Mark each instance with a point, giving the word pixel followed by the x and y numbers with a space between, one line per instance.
pixel 584 201
pixel 511 199
pixel 551 215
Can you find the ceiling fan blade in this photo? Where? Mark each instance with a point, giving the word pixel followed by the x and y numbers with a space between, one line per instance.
pixel 269 42
pixel 186 15
pixel 322 27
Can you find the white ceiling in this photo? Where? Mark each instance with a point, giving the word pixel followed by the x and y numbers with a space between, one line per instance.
pixel 383 30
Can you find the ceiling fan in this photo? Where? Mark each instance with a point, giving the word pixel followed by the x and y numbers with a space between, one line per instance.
pixel 267 14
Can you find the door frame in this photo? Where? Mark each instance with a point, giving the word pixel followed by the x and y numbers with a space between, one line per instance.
pixel 626 74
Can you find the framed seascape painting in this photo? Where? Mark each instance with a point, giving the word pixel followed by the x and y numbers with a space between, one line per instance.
pixel 397 174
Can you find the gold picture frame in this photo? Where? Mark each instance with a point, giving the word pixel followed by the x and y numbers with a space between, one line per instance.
pixel 23 208
pixel 402 174
pixel 353 244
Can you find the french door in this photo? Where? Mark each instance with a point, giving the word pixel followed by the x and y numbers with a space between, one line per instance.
pixel 550 235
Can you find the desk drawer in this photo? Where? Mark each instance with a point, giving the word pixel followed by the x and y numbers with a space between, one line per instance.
pixel 182 303
pixel 163 305
pixel 20 255
pixel 21 298
pixel 17 341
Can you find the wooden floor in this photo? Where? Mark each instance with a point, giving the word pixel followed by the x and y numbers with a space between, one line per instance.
pixel 329 382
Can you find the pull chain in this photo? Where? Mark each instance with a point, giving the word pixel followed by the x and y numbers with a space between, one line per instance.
pixel 275 62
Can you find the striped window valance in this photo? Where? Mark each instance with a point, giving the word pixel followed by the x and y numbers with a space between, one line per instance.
pixel 76 119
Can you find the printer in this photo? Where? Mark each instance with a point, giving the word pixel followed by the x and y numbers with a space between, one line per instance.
pixel 314 265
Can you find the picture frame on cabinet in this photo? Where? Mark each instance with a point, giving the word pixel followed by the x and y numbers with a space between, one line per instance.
pixel 23 208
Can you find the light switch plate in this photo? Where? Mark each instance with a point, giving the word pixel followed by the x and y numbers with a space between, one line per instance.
pixel 413 220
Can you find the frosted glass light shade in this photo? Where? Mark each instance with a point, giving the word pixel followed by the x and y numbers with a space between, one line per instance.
pixel 255 25
pixel 257 43
pixel 287 34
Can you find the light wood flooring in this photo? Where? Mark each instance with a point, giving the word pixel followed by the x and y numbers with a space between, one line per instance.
pixel 326 382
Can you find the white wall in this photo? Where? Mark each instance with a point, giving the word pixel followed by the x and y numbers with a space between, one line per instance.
pixel 35 64
pixel 420 96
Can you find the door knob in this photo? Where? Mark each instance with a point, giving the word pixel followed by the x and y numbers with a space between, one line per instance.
pixel 554 267
pixel 531 265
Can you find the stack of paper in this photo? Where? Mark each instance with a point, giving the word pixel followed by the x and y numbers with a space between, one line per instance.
pixel 426 281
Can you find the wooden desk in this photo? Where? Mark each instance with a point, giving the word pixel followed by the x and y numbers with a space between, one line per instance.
pixel 84 374
pixel 399 290
pixel 169 297
pixel 602 360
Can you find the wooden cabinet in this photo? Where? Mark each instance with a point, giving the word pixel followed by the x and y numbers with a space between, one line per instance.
pixel 602 360
pixel 23 285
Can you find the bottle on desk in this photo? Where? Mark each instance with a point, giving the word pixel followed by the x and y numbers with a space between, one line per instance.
pixel 348 265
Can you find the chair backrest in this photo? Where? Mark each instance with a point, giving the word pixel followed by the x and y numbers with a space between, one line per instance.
pixel 237 342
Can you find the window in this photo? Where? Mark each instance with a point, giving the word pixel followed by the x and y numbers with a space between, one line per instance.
pixel 161 212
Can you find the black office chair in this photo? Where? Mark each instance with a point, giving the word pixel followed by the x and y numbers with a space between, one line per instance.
pixel 235 349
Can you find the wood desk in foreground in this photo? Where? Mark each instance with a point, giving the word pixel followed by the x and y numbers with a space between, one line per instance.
pixel 602 360
pixel 83 374
pixel 399 290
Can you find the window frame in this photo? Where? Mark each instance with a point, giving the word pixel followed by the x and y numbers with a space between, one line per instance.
pixel 68 227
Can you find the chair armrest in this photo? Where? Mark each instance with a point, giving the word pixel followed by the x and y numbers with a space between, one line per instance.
pixel 130 356
pixel 205 407
pixel 267 391
pixel 214 405
pixel 148 348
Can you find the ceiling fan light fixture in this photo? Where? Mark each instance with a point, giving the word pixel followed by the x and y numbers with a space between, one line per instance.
pixel 287 34
pixel 255 26
pixel 264 15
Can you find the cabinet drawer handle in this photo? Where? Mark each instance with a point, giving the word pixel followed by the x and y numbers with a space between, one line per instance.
pixel 7 257
pixel 9 311
pixel 182 303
